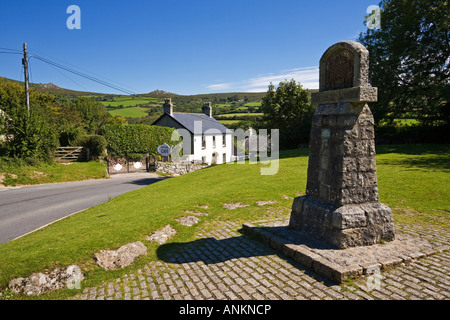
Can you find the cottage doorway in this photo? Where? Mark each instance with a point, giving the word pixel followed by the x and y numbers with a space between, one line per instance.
pixel 214 158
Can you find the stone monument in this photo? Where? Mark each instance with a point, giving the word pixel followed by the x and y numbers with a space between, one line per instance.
pixel 341 206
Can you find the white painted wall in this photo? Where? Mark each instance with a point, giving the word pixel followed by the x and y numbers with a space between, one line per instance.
pixel 219 148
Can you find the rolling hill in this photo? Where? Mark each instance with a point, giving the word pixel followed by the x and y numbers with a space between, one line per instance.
pixel 146 107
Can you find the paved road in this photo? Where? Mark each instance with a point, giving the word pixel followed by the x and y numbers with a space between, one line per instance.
pixel 25 209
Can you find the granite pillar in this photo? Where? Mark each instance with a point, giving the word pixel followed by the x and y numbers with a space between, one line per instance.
pixel 341 206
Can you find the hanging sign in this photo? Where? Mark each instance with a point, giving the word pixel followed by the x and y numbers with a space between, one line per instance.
pixel 164 150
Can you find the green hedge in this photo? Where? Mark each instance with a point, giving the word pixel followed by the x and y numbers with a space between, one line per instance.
pixel 127 139
pixel 95 143
pixel 401 134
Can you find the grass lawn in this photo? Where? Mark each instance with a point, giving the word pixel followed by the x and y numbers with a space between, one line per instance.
pixel 413 180
pixel 17 172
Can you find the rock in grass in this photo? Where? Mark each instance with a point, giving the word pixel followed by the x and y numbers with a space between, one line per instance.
pixel 235 205
pixel 196 213
pixel 39 283
pixel 263 203
pixel 120 258
pixel 188 221
pixel 161 236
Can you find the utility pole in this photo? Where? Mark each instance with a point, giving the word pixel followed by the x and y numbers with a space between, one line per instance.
pixel 27 85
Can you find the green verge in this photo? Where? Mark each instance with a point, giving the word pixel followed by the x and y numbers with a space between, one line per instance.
pixel 16 172
pixel 413 180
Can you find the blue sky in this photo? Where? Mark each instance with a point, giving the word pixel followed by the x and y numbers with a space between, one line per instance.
pixel 181 46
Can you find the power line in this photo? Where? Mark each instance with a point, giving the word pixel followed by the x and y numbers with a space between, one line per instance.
pixel 83 75
pixel 58 65
pixel 62 73
pixel 7 52
pixel 69 65
pixel 29 70
pixel 13 51
pixel 17 51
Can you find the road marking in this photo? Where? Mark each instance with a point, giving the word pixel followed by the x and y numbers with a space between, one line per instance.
pixel 44 226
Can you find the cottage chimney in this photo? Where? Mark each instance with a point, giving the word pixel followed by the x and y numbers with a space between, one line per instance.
pixel 168 106
pixel 207 109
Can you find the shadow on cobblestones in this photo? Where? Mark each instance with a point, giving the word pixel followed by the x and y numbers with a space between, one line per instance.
pixel 211 251
pixel 229 251
pixel 295 237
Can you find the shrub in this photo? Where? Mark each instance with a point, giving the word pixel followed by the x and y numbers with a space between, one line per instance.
pixel 69 136
pixel 95 143
pixel 29 136
pixel 418 133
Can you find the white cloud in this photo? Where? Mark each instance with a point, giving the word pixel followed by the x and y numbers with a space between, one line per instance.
pixel 307 77
pixel 219 86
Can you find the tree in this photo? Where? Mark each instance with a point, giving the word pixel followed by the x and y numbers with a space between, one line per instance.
pixel 69 125
pixel 27 135
pixel 409 61
pixel 117 120
pixel 288 109
pixel 11 95
pixel 93 113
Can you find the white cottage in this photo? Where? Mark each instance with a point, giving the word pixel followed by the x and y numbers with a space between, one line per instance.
pixel 209 141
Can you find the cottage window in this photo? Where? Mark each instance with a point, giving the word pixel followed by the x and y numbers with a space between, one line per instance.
pixel 214 141
pixel 203 142
pixel 224 140
pixel 224 159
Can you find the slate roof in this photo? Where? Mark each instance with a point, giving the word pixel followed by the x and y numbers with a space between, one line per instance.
pixel 187 121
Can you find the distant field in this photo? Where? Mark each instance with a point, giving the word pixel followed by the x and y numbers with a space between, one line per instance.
pixel 125 103
pixel 133 112
pixel 227 122
pixel 230 115
pixel 253 104
pixel 131 107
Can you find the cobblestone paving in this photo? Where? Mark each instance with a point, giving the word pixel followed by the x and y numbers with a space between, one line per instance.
pixel 223 264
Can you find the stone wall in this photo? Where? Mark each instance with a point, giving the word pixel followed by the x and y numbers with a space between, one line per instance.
pixel 174 168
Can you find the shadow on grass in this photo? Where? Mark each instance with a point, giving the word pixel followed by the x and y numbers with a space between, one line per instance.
pixel 437 153
pixel 428 163
pixel 428 156
pixel 294 153
pixel 415 149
